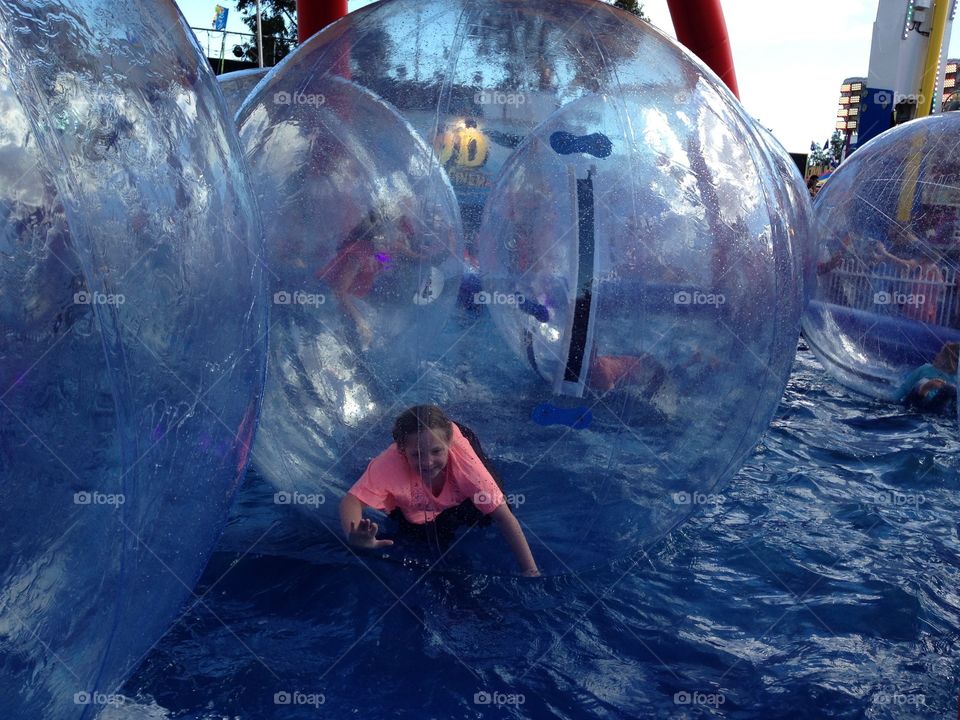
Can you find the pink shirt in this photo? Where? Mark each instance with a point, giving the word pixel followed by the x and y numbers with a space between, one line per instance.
pixel 389 482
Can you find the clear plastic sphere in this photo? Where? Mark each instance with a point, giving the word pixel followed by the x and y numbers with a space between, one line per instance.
pixel 653 286
pixel 131 354
pixel 235 86
pixel 365 253
pixel 884 319
pixel 634 318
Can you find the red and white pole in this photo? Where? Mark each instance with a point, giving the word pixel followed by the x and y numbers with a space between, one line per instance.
pixel 701 27
pixel 314 15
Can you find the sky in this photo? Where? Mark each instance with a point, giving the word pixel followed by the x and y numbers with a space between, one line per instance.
pixel 791 57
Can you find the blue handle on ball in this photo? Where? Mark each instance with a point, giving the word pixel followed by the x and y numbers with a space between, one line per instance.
pixel 579 418
pixel 596 144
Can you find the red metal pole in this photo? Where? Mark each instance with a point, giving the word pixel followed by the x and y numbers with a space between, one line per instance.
pixel 314 15
pixel 701 27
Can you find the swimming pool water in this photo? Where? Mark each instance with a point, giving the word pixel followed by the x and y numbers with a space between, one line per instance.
pixel 822 583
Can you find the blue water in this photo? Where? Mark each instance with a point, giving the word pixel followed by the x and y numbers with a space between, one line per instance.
pixel 823 583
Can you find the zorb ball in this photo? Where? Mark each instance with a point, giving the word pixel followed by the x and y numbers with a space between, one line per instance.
pixel 365 253
pixel 884 316
pixel 132 324
pixel 637 264
pixel 639 295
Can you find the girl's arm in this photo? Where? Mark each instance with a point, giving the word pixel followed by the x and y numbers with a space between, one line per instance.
pixel 881 251
pixel 359 532
pixel 515 539
pixel 351 512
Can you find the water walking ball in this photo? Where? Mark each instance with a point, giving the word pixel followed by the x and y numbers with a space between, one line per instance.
pixel 885 316
pixel 365 252
pixel 632 297
pixel 132 350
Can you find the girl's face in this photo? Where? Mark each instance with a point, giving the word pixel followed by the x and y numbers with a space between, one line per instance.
pixel 427 452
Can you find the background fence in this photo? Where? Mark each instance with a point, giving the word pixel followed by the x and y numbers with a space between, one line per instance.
pixel 927 294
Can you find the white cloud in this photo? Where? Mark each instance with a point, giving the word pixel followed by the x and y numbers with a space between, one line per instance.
pixel 792 57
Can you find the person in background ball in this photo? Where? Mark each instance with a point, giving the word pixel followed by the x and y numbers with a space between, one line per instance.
pixel 431 480
pixel 367 251
pixel 353 270
pixel 933 386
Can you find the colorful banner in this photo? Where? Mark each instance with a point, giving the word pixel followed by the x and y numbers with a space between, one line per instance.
pixel 220 17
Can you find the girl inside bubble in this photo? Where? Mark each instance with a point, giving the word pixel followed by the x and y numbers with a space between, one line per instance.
pixel 433 479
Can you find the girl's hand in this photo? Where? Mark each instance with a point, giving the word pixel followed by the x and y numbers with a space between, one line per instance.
pixel 532 572
pixel 364 535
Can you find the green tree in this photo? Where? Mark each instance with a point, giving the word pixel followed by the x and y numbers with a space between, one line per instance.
pixel 818 156
pixel 835 146
pixel 632 6
pixel 278 23
pixel 830 153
